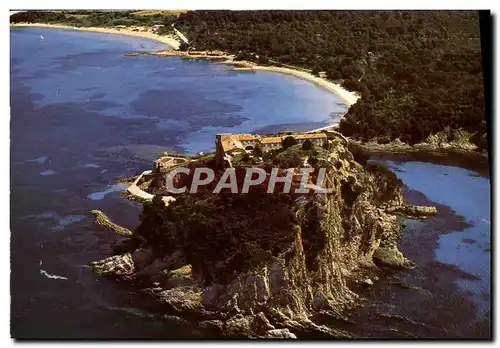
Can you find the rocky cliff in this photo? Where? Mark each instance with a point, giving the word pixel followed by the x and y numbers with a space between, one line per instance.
pixel 266 265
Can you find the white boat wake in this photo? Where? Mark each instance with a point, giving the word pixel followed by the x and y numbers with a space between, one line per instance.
pixel 50 276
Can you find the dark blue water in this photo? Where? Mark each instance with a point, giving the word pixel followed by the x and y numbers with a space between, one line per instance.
pixel 83 115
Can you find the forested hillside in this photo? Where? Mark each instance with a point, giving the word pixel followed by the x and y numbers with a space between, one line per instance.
pixel 418 72
pixel 96 18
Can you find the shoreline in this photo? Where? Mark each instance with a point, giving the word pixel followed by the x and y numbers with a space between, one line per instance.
pixel 167 40
pixel 461 156
pixel 219 57
pixel 348 97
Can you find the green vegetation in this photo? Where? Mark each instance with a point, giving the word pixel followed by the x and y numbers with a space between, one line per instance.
pixel 257 151
pixel 307 145
pixel 357 152
pixel 97 19
pixel 250 229
pixel 326 145
pixel 245 229
pixel 312 160
pixel 104 221
pixel 244 160
pixel 387 181
pixel 293 156
pixel 288 141
pixel 417 71
pixel 289 158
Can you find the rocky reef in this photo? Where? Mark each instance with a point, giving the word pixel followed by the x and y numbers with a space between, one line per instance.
pixel 260 265
pixel 442 144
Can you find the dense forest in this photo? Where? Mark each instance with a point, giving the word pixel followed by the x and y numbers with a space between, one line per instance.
pixel 99 19
pixel 418 72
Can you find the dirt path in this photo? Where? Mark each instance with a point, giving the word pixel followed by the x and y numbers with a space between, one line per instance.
pixel 137 192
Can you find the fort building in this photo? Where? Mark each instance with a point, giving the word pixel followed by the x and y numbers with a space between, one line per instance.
pixel 227 145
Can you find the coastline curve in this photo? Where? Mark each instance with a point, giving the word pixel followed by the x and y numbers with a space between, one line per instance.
pixel 168 40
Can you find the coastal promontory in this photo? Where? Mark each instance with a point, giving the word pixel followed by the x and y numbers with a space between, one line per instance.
pixel 265 265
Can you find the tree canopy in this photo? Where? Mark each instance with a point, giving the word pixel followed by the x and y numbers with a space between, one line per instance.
pixel 307 145
pixel 417 71
pixel 288 141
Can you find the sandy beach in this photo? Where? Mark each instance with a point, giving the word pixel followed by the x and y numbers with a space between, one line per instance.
pixel 348 97
pixel 141 32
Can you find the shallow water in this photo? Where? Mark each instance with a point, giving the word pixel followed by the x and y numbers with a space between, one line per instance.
pixel 450 294
pixel 468 195
pixel 87 115
pixel 83 115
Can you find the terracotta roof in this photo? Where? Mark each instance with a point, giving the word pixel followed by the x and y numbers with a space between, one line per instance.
pixel 310 136
pixel 246 137
pixel 237 143
pixel 229 142
pixel 271 140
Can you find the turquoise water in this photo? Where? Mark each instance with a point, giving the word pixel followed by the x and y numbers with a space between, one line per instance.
pixel 101 194
pixel 468 195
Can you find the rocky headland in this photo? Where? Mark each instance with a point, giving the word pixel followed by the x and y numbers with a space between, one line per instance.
pixel 265 265
pixel 438 148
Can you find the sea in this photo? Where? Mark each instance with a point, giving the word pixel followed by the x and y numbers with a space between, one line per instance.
pixel 83 115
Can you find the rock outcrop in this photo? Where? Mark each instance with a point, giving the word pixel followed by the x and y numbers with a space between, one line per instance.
pixel 246 286
pixel 417 211
pixel 104 221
